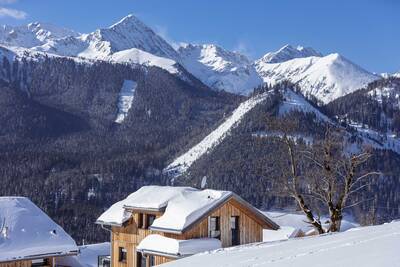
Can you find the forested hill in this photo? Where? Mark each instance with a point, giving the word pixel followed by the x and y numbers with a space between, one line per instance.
pixel 252 158
pixel 62 147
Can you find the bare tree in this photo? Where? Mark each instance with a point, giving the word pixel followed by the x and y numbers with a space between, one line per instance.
pixel 332 175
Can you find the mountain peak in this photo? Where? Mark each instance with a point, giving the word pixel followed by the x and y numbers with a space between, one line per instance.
pixel 288 52
pixel 126 34
pixel 129 21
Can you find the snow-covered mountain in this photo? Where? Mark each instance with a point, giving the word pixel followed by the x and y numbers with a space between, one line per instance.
pixel 126 34
pixel 326 78
pixel 127 41
pixel 289 52
pixel 131 41
pixel 33 34
pixel 220 69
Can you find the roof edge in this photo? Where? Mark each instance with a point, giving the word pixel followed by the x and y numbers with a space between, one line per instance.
pixel 109 224
pixel 39 256
pixel 166 230
pixel 159 253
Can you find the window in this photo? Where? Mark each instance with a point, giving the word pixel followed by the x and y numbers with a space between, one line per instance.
pixel 122 254
pixel 235 233
pixel 40 262
pixel 140 220
pixel 104 261
pixel 150 219
pixel 214 230
pixel 152 260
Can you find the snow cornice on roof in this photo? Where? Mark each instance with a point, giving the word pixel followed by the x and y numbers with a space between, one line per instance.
pixel 181 208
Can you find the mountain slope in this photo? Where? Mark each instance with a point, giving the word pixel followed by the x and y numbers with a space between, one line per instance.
pixel 125 34
pixel 288 52
pixel 127 41
pixel 183 162
pixel 33 34
pixel 220 69
pixel 75 130
pixel 325 78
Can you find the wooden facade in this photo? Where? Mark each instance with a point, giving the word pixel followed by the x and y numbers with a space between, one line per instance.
pixel 130 235
pixel 27 263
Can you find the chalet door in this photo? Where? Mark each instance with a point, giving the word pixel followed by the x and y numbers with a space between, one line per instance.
pixel 235 231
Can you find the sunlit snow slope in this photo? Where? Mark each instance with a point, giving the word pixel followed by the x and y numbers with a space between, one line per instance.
pixel 368 247
pixel 183 162
pixel 220 69
pixel 326 78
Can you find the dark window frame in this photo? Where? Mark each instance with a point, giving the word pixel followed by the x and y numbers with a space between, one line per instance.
pixel 152 260
pixel 149 220
pixel 122 254
pixel 214 226
pixel 140 220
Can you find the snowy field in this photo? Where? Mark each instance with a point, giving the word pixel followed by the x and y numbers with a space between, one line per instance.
pixel 372 246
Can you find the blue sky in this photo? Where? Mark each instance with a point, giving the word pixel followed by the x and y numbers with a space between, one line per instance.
pixel 365 31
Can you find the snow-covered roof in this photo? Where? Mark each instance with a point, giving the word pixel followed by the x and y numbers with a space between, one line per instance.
pixel 182 207
pixel 88 256
pixel 26 232
pixel 161 245
pixel 366 246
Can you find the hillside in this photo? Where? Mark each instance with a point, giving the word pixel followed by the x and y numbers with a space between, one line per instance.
pixel 250 159
pixel 63 140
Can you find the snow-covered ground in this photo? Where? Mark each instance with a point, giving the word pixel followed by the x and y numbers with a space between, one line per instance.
pixel 366 246
pixel 378 140
pixel 183 162
pixel 137 56
pixel 26 231
pixel 125 99
pixel 294 223
pixel 295 102
pixel 88 256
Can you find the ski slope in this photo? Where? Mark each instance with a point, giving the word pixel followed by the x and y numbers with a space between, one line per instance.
pixel 183 162
pixel 125 100
pixel 367 247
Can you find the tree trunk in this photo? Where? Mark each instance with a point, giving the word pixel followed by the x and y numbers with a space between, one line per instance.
pixel 335 220
pixel 310 216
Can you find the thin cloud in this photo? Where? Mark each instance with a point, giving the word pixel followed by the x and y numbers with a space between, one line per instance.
pixel 12 13
pixel 243 48
pixel 163 33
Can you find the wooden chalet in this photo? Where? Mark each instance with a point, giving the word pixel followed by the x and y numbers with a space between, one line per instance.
pixel 28 237
pixel 158 224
